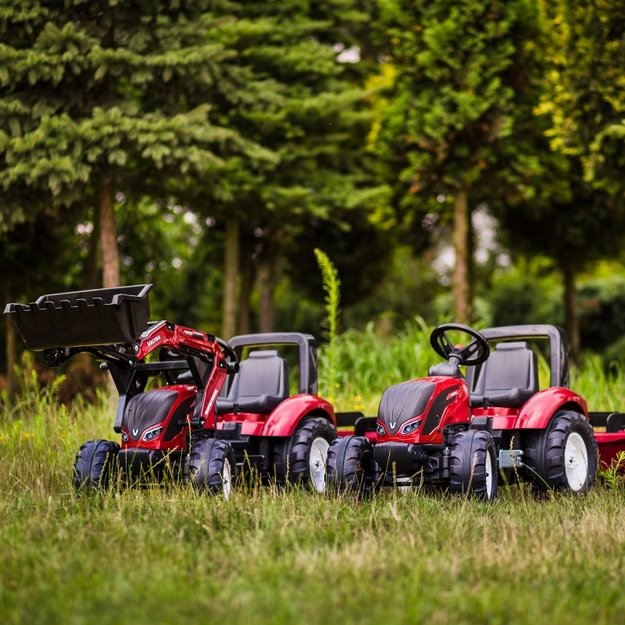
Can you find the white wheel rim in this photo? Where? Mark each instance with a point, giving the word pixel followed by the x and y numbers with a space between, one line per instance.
pixel 488 469
pixel 226 480
pixel 576 461
pixel 317 463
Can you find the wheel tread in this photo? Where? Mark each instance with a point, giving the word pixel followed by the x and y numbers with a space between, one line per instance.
pixel 544 452
pixel 467 464
pixel 351 467
pixel 207 459
pixel 296 450
pixel 94 464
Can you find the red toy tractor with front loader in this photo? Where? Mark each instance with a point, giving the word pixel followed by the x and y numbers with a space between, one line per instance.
pixel 221 407
pixel 460 432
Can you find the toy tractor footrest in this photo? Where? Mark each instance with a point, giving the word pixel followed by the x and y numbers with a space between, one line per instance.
pixel 151 463
pixel 399 457
pixel 83 318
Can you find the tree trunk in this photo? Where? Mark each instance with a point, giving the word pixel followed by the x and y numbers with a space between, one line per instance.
pixel 91 268
pixel 11 353
pixel 266 279
pixel 231 277
pixel 571 319
pixel 108 232
pixel 247 284
pixel 462 296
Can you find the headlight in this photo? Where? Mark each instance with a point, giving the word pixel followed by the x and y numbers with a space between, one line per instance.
pixel 150 435
pixel 380 430
pixel 124 437
pixel 411 427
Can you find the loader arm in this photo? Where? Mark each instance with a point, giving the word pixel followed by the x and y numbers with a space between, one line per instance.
pixel 112 325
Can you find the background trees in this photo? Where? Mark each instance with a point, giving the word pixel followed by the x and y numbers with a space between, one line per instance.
pixel 577 214
pixel 292 94
pixel 461 73
pixel 211 146
pixel 94 102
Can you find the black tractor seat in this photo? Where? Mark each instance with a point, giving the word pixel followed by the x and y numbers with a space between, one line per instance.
pixel 259 386
pixel 508 378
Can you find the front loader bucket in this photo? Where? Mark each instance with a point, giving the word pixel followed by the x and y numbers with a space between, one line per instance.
pixel 83 318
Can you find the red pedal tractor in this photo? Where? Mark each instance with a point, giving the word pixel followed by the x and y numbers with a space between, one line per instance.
pixel 221 407
pixel 460 432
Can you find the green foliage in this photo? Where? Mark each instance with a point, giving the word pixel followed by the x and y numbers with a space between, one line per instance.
pixel 80 89
pixel 332 288
pixel 248 110
pixel 528 293
pixel 165 244
pixel 612 476
pixel 451 129
pixel 455 100
pixel 409 288
pixel 602 314
pixel 310 109
pixel 577 212
pixel 234 110
pixel 587 89
pixel 367 263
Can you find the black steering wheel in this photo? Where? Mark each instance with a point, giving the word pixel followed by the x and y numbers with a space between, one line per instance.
pixel 232 361
pixel 475 353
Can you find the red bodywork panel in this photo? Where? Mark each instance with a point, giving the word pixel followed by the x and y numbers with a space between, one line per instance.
pixel 179 440
pixel 536 413
pixel 454 408
pixel 284 419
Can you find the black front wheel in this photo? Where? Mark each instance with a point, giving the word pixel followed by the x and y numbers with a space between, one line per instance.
pixel 351 467
pixel 563 456
pixel 473 465
pixel 211 466
pixel 95 465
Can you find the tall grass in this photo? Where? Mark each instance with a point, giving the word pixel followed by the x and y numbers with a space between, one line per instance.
pixel 367 362
pixel 332 288
pixel 167 554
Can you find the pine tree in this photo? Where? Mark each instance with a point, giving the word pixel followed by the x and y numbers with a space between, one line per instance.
pixel 290 93
pixel 98 96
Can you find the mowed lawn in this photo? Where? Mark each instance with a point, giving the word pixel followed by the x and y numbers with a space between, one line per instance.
pixel 169 555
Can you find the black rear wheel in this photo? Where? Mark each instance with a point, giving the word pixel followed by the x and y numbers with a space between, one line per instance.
pixel 473 465
pixel 96 465
pixel 563 456
pixel 301 459
pixel 351 467
pixel 212 466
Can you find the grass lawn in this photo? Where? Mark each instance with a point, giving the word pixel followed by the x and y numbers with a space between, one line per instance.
pixel 168 555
